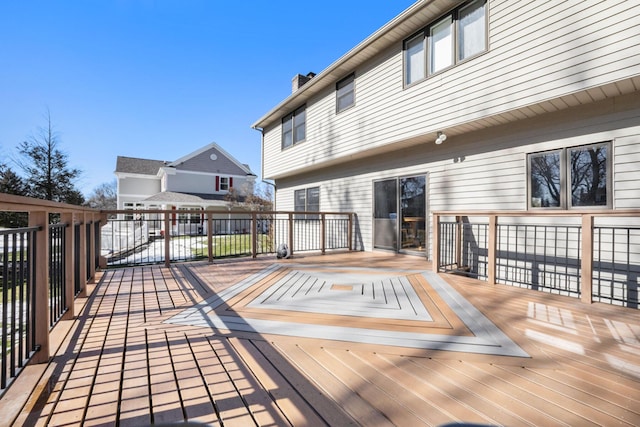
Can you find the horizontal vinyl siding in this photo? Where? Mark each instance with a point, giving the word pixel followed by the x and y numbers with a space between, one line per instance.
pixel 138 186
pixel 627 172
pixel 538 51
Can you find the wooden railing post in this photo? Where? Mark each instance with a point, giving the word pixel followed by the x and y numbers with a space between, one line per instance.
pixel 91 250
pixel 350 231
pixel 254 235
pixel 458 243
pixel 492 245
pixel 586 268
pixel 209 235
pixel 69 270
pixel 323 233
pixel 41 280
pixel 167 239
pixel 83 253
pixel 104 219
pixel 290 233
pixel 435 250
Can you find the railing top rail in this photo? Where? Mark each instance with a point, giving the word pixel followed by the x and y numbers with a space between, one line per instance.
pixel 219 211
pixel 10 202
pixel 543 213
pixel 5 231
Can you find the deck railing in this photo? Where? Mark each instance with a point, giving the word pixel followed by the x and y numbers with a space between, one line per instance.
pixel 165 236
pixel 43 267
pixel 591 255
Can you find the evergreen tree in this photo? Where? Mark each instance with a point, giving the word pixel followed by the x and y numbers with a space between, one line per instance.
pixel 46 169
pixel 11 183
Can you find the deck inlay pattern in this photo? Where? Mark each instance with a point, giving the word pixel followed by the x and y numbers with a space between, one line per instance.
pixel 270 302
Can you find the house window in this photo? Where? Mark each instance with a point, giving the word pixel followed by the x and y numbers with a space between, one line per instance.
pixel 189 217
pixel 132 206
pixel 345 95
pixel 455 37
pixel 571 177
pixel 224 183
pixel 294 127
pixel 307 200
pixel 414 59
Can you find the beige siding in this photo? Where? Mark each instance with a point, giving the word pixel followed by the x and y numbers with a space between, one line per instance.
pixel 539 52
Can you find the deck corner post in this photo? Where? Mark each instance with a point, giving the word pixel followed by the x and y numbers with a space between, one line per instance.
pixel 350 231
pixel 41 281
pixel 586 267
pixel 435 250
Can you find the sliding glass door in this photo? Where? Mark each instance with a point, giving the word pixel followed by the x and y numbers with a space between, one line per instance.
pixel 400 213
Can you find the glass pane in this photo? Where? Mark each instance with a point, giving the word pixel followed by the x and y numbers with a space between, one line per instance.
pixel 588 175
pixel 287 134
pixel 471 30
pixel 414 60
pixel 344 93
pixel 299 125
pixel 413 208
pixel 441 45
pixel 385 220
pixel 545 179
pixel 313 199
pixel 299 202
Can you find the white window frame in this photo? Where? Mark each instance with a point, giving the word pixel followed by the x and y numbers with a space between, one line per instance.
pixel 428 56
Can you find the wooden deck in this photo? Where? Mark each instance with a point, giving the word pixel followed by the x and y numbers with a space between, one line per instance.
pixel 319 341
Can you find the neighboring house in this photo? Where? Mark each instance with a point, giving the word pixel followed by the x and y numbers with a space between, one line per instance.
pixel 466 106
pixel 200 180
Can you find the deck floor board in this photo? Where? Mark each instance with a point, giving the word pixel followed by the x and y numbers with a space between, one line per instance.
pixel 193 343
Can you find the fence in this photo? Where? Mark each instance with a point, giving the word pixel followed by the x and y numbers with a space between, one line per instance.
pixel 165 236
pixel 590 255
pixel 43 267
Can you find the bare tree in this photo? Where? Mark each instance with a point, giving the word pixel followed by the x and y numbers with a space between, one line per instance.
pixel 104 196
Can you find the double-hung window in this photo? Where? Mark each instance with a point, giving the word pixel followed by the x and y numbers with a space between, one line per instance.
pixel 307 200
pixel 345 94
pixel 459 35
pixel 571 177
pixel 294 127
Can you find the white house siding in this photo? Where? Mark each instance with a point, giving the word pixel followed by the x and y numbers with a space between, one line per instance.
pixel 485 170
pixel 538 52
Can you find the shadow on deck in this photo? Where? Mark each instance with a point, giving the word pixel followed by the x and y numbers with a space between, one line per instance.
pixel 341 339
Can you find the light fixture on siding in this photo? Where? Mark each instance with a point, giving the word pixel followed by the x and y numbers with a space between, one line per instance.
pixel 441 138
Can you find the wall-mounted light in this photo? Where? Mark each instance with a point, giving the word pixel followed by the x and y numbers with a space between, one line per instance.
pixel 441 138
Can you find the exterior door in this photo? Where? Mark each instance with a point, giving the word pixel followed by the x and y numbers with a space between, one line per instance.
pixel 385 214
pixel 400 214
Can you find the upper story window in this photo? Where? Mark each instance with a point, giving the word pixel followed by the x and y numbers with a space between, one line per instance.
pixel 453 38
pixel 224 183
pixel 345 94
pixel 294 127
pixel 571 177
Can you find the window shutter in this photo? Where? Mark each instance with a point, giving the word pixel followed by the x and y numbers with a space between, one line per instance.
pixel 217 183
pixel 230 182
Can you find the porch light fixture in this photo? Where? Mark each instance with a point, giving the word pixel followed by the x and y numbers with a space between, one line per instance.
pixel 441 138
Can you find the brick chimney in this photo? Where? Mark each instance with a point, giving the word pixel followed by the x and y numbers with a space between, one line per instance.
pixel 299 80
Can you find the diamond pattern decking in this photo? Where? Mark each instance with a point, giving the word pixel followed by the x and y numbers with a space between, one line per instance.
pixel 344 339
pixel 271 302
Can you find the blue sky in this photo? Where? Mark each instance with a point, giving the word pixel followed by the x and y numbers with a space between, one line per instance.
pixel 160 79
